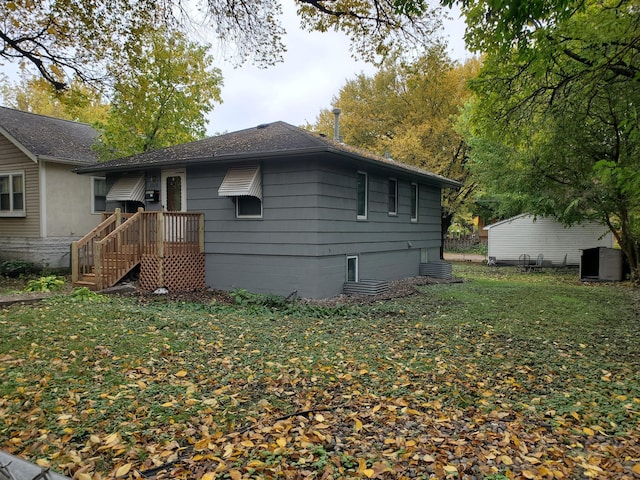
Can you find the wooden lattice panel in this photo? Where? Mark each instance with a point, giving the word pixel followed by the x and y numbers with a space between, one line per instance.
pixel 179 273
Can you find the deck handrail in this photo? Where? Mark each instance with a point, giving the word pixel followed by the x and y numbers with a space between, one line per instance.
pixel 118 252
pixel 82 251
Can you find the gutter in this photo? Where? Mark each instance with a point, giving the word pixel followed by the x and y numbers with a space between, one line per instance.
pixel 235 158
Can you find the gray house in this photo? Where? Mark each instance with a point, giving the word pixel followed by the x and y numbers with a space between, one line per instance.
pixel 286 210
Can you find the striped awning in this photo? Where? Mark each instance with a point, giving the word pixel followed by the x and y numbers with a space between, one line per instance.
pixel 242 182
pixel 127 188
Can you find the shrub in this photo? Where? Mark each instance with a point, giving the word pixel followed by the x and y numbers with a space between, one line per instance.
pixel 44 284
pixel 16 268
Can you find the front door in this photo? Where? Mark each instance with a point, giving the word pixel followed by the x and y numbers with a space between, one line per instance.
pixel 174 199
pixel 174 191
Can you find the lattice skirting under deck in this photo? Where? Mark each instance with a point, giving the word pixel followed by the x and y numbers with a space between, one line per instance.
pixel 179 273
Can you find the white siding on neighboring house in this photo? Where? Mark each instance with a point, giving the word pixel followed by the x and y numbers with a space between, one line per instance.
pixel 522 234
pixel 67 202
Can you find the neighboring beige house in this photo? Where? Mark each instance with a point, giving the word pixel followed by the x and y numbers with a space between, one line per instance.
pixel 44 205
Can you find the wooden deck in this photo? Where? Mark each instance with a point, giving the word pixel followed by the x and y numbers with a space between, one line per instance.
pixel 120 243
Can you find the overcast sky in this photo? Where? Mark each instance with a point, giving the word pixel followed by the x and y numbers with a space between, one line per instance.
pixel 315 67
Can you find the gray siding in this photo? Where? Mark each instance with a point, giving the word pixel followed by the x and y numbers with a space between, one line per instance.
pixel 308 227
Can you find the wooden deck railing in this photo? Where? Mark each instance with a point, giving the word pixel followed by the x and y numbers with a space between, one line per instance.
pixel 112 249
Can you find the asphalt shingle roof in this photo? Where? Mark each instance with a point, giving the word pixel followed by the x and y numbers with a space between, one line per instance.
pixel 277 139
pixel 50 138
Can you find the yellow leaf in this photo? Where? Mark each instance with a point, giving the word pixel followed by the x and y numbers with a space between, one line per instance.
pixel 358 425
pixel 43 462
pixel 123 470
pixel 429 458
pixel 282 442
pixel 506 460
pixel 450 470
pixel 369 472
pixel 545 471
pixel 112 439
pixel 528 474
pixel 82 476
pixel 201 445
pixel 588 431
pixel 636 468
pixel 167 404
pixel 235 474
pixel 181 373
pixel 209 476
pixel 575 415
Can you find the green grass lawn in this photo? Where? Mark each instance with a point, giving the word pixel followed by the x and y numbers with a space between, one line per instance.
pixel 504 375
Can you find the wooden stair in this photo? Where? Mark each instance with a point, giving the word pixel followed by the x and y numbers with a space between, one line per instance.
pixel 110 251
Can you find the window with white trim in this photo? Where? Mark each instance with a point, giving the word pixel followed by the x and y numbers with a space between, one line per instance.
pixel 393 196
pixel 99 194
pixel 248 207
pixel 12 194
pixel 362 188
pixel 414 202
pixel 352 268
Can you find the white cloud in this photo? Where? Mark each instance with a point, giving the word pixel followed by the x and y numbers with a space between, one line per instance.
pixel 315 67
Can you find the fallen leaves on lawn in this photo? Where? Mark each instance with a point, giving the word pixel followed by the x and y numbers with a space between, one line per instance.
pixel 394 394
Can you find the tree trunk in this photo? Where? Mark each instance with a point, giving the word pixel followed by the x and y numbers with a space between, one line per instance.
pixel 446 219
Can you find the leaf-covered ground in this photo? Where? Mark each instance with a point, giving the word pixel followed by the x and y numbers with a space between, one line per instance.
pixel 501 376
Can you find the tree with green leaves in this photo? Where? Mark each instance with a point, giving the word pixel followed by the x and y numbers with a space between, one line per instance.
pixel 163 91
pixel 80 103
pixel 80 38
pixel 555 126
pixel 408 110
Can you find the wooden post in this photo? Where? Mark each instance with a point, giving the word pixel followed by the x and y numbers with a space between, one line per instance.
pixel 140 246
pixel 118 215
pixel 75 265
pixel 160 247
pixel 97 263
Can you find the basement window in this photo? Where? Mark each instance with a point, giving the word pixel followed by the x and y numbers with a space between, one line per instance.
pixel 352 268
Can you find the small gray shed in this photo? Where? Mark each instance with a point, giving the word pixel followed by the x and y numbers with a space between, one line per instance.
pixel 601 265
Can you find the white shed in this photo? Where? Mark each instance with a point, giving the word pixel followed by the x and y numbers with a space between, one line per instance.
pixel 511 238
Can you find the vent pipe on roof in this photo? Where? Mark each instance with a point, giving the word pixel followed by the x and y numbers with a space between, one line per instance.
pixel 336 124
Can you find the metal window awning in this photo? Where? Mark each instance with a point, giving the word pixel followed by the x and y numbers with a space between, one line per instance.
pixel 242 182
pixel 127 189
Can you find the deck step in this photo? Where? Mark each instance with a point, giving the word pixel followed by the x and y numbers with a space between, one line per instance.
pixel 84 283
pixel 365 287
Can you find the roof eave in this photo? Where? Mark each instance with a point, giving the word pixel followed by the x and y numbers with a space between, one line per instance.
pixel 430 177
pixel 234 158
